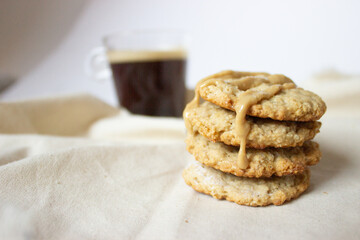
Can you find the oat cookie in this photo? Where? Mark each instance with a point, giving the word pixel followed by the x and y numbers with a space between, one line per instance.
pixel 262 163
pixel 245 191
pixel 218 124
pixel 293 104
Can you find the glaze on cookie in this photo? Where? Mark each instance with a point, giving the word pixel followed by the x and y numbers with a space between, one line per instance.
pixel 262 162
pixel 218 124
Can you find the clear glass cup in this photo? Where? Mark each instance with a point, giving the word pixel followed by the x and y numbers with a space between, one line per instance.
pixel 148 69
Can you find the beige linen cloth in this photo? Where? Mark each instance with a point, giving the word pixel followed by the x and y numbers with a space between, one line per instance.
pixel 75 168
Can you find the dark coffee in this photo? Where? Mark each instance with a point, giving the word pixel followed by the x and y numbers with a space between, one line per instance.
pixel 153 87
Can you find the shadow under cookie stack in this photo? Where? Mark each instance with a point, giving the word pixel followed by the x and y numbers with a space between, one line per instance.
pixel 251 137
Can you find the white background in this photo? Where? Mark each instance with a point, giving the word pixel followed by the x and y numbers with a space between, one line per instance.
pixel 43 43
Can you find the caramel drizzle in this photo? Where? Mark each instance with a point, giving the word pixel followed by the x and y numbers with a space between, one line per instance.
pixel 196 100
pixel 272 85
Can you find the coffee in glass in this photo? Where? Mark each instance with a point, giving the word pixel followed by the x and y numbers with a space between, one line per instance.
pixel 150 82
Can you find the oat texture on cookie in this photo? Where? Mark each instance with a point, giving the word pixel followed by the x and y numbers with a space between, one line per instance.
pixel 218 124
pixel 252 126
pixel 263 162
pixel 245 191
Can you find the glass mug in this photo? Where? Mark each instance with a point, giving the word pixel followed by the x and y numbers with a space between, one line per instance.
pixel 148 69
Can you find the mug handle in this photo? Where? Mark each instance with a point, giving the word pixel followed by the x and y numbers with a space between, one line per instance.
pixel 96 65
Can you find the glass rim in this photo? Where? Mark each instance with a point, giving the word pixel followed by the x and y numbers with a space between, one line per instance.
pixel 145 32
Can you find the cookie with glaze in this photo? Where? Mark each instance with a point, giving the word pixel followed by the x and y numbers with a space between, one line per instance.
pixel 294 104
pixel 262 162
pixel 218 124
pixel 245 191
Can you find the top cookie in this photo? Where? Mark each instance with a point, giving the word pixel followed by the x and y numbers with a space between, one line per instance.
pixel 290 104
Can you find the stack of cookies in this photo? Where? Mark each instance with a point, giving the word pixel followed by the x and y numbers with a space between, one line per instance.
pixel 252 137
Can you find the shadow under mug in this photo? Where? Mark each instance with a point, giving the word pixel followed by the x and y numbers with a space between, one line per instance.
pixel 148 69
